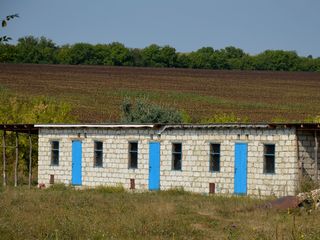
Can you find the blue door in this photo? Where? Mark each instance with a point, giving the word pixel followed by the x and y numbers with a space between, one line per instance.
pixel 76 162
pixel 154 166
pixel 240 168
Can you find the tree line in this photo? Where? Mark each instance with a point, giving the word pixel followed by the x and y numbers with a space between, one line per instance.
pixel 30 49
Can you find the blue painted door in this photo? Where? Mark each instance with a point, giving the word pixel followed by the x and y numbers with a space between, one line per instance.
pixel 76 162
pixel 154 166
pixel 240 168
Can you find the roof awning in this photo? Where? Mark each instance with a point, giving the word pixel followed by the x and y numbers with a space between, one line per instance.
pixel 95 125
pixel 20 128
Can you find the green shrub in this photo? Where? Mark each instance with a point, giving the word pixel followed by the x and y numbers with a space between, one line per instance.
pixel 143 111
pixel 225 118
pixel 307 184
pixel 312 119
pixel 186 118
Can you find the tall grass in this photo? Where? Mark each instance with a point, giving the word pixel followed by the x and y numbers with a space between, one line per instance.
pixel 105 213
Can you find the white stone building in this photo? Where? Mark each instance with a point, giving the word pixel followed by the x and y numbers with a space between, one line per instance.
pixel 252 159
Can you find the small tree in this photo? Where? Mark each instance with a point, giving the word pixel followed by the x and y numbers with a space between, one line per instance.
pixel 145 112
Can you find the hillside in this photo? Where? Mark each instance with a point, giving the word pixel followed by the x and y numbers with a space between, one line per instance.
pixel 96 92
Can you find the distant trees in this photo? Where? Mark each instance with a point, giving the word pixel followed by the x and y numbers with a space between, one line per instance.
pixel 42 50
pixel 156 56
pixel 35 50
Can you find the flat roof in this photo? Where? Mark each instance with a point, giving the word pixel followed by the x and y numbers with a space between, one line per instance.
pixel 182 126
pixel 95 125
pixel 33 128
pixel 21 128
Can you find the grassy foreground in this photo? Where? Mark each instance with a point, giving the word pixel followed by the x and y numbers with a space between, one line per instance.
pixel 110 213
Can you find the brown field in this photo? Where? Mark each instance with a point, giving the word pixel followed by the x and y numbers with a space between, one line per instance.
pixel 96 92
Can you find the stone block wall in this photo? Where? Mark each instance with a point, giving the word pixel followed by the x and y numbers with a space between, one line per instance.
pixel 115 170
pixel 306 141
pixel 194 176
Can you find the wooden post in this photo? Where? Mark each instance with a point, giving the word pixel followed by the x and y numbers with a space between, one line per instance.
pixel 16 163
pixel 4 158
pixel 316 156
pixel 30 159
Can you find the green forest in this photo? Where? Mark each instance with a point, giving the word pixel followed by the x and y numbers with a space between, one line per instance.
pixel 41 50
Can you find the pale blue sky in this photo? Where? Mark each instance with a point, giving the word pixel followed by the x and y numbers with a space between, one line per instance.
pixel 253 25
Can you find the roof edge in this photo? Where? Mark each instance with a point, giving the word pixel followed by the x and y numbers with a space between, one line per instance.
pixel 95 125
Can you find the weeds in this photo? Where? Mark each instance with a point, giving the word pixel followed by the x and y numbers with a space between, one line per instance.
pixel 60 212
pixel 109 189
pixel 59 187
pixel 307 184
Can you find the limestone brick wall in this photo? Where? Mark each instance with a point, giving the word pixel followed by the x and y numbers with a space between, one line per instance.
pixel 194 176
pixel 306 142
pixel 115 168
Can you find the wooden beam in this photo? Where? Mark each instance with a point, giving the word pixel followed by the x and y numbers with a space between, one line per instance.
pixel 316 156
pixel 16 162
pixel 30 160
pixel 4 158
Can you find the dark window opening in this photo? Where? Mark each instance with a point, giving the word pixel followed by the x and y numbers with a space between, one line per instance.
pixel 133 155
pixel 215 157
pixel 55 153
pixel 176 156
pixel 269 158
pixel 98 154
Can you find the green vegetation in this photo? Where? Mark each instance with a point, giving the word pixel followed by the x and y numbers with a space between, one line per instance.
pixel 17 109
pixel 307 184
pixel 64 213
pixel 42 50
pixel 143 111
pixel 311 119
pixel 225 118
pixel 22 109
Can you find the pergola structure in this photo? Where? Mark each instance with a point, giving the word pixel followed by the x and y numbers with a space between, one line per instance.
pixel 28 129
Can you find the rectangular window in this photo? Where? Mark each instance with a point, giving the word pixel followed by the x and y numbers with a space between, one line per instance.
pixel 176 156
pixel 98 153
pixel 215 157
pixel 269 158
pixel 55 153
pixel 133 155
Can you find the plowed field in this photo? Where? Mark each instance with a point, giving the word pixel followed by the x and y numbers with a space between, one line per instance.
pixel 96 92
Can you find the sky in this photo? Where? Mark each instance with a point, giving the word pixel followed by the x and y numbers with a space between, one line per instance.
pixel 252 25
